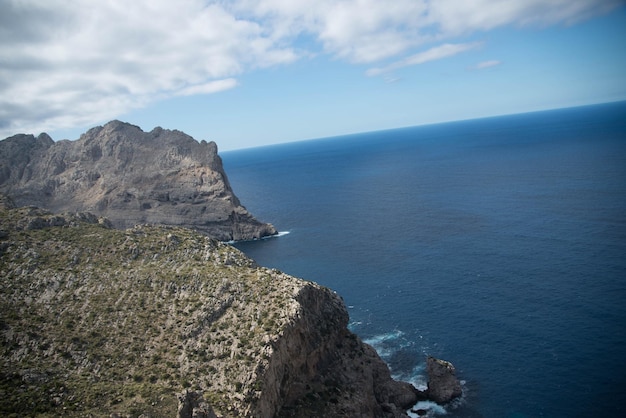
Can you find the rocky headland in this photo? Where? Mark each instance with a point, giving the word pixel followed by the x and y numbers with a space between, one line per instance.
pixel 161 321
pixel 119 299
pixel 129 176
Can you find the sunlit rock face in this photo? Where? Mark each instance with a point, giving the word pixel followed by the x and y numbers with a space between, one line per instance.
pixel 129 176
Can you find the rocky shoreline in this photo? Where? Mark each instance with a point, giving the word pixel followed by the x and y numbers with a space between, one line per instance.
pixel 121 299
pixel 162 321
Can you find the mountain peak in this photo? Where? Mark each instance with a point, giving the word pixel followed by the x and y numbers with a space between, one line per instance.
pixel 130 176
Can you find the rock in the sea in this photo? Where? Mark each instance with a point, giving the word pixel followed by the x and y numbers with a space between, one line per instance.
pixel 130 177
pixel 443 385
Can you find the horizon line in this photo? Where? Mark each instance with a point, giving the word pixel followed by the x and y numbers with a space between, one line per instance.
pixel 442 122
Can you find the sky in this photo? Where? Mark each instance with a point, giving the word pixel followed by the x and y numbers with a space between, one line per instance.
pixel 247 73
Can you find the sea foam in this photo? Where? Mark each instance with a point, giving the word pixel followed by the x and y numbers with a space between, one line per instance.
pixel 429 408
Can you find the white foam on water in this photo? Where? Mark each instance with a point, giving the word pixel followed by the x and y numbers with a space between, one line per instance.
pixel 379 342
pixel 417 378
pixel 379 339
pixel 389 343
pixel 279 234
pixel 431 408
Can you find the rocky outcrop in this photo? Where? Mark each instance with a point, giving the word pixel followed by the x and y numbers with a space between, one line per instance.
pixel 129 176
pixel 193 405
pixel 443 385
pixel 319 368
pixel 6 202
pixel 97 322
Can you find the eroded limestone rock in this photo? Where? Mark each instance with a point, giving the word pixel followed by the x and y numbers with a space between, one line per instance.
pixel 130 177
pixel 443 385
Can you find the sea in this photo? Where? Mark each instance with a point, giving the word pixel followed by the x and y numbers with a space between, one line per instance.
pixel 497 244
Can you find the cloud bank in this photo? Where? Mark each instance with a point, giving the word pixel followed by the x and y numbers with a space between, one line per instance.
pixel 65 64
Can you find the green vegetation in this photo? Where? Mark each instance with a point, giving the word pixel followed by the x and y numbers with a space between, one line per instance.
pixel 95 321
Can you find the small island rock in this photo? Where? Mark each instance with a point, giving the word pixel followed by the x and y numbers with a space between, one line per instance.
pixel 443 385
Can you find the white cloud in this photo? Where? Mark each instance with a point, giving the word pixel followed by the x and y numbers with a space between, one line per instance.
pixel 432 54
pixel 358 31
pixel 365 31
pixel 454 17
pixel 486 64
pixel 391 79
pixel 81 62
pixel 208 88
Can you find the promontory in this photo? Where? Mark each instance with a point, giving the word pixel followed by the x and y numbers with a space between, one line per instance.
pixel 119 298
pixel 162 321
pixel 131 177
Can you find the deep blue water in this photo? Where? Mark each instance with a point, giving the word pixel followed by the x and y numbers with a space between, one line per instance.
pixel 498 244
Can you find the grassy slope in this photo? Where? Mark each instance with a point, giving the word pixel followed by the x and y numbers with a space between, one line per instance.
pixel 98 321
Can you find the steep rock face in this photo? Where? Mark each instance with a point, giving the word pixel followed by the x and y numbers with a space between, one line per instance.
pixel 443 385
pixel 103 322
pixel 319 368
pixel 131 177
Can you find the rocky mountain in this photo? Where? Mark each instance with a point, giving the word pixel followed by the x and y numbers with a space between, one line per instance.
pixel 119 299
pixel 131 177
pixel 162 321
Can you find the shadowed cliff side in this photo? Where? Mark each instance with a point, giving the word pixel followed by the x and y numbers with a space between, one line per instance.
pixel 131 177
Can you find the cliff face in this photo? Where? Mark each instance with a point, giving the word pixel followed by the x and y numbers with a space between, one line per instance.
pixel 319 368
pixel 100 321
pixel 131 177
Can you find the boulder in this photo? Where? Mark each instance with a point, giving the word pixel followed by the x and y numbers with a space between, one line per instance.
pixel 443 385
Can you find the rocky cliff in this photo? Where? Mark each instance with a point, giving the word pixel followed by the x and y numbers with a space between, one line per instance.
pixel 163 321
pixel 131 177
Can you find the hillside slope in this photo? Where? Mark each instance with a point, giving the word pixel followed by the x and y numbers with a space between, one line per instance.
pixel 157 320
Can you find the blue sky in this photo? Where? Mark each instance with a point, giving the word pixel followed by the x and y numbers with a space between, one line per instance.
pixel 247 73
